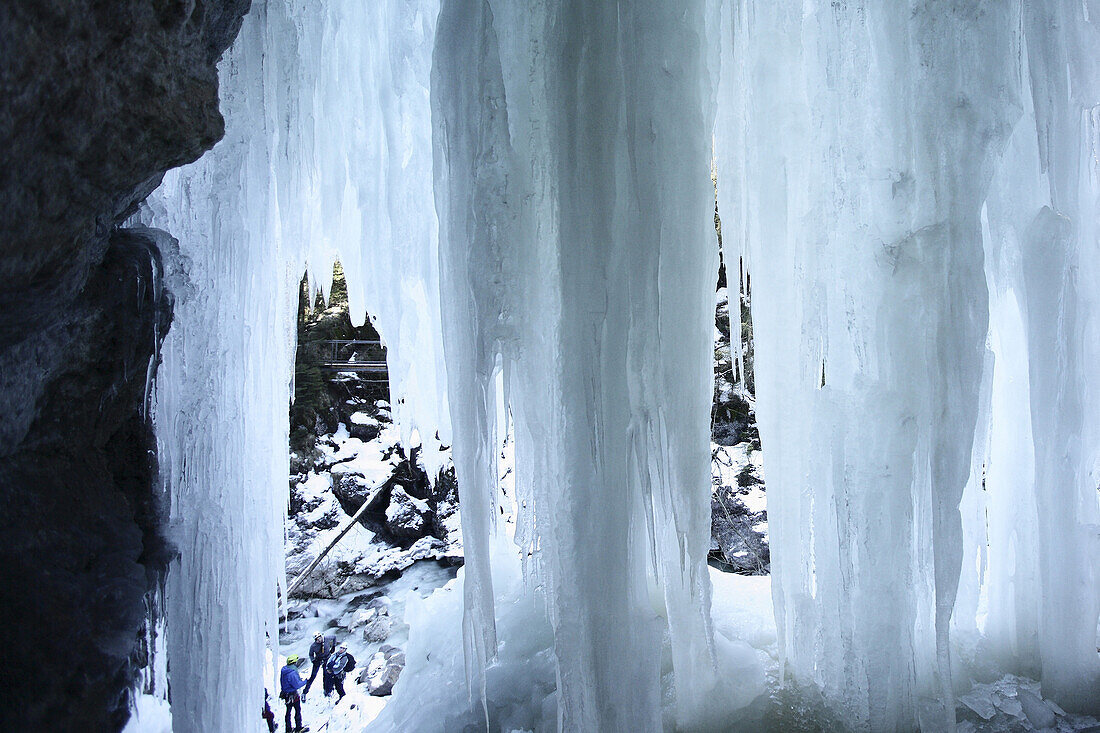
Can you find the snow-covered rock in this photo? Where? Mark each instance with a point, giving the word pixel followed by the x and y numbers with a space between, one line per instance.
pixel 378 629
pixel 406 516
pixel 739 517
pixel 372 621
pixel 383 670
pixel 410 516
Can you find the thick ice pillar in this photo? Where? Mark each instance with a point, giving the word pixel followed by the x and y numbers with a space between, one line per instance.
pixel 1060 252
pixel 1041 247
pixel 1012 584
pixel 472 169
pixel 868 132
pixel 327 155
pixel 221 414
pixel 576 221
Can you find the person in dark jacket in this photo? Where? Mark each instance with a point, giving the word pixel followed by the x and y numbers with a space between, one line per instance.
pixel 338 665
pixel 319 652
pixel 289 683
pixel 267 714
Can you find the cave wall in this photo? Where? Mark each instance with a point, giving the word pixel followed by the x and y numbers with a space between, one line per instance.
pixel 100 97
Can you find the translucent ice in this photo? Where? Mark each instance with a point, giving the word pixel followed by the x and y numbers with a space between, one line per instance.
pixel 913 188
pixel 572 152
pixel 327 155
pixel 889 163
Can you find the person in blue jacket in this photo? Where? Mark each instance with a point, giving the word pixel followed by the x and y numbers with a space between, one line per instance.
pixel 289 683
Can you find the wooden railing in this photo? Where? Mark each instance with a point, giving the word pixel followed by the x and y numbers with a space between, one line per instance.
pixel 355 356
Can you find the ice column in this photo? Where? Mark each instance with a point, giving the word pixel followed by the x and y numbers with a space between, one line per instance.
pixel 326 154
pixel 868 133
pixel 221 408
pixel 471 178
pixel 572 148
pixel 1041 247
pixel 1060 252
pixel 1013 586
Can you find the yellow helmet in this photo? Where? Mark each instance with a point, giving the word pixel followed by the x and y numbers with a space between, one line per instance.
pixel 293 659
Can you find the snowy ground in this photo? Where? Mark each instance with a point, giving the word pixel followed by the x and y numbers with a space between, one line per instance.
pixel 745 632
pixel 368 591
pixel 339 616
pixel 387 588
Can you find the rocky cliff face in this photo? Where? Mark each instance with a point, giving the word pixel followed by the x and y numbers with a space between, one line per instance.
pixel 99 99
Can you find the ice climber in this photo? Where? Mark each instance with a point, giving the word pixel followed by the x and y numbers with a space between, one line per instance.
pixel 290 682
pixel 338 665
pixel 319 651
pixel 268 716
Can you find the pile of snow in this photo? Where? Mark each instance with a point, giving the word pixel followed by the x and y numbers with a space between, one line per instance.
pixel 520 690
pixel 150 714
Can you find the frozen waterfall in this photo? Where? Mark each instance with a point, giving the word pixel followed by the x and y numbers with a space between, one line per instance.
pixel 573 190
pixel 889 160
pixel 520 195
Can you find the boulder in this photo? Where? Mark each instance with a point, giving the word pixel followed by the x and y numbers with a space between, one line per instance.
pixel 352 620
pixel 363 427
pixel 406 516
pixel 352 489
pixel 383 670
pixel 377 626
pixel 373 619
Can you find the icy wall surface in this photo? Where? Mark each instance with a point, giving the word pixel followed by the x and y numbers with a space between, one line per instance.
pixel 899 172
pixel 221 409
pixel 1042 247
pixel 327 154
pixel 572 153
pixel 913 187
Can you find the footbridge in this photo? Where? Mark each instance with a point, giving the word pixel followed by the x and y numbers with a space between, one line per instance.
pixel 350 355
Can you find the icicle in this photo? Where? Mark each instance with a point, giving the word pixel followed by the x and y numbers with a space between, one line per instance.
pixel 1013 587
pixel 736 329
pixel 221 410
pixel 471 147
pixel 863 192
pixel 326 156
pixel 1059 252
pixel 973 509
pixel 578 182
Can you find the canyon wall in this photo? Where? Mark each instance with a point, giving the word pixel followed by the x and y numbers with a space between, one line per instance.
pixel 99 100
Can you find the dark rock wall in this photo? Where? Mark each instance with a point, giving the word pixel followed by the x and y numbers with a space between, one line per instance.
pixel 97 99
